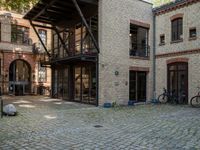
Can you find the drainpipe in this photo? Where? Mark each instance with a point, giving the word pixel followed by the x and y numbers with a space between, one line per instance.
pixel 154 59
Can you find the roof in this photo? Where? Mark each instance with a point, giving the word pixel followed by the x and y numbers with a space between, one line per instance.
pixel 176 4
pixel 61 12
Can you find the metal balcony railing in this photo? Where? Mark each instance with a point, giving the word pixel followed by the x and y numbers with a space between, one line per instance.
pixel 140 51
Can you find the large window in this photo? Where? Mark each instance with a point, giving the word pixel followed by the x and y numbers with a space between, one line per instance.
pixel 19 34
pixel 138 41
pixel 43 35
pixel 177 29
pixel 42 73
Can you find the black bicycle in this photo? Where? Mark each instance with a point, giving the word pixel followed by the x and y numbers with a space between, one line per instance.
pixel 168 96
pixel 195 101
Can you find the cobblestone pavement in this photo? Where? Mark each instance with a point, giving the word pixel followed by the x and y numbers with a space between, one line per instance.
pixel 51 124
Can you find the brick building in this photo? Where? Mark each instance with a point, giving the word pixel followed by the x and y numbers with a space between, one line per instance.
pixel 20 53
pixel 178 48
pixel 121 51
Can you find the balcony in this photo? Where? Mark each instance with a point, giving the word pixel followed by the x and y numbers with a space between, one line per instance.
pixel 140 51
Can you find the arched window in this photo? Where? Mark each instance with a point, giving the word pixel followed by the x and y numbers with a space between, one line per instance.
pixel 177 29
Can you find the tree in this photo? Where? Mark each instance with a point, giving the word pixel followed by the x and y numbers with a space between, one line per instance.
pixel 17 5
pixel 160 2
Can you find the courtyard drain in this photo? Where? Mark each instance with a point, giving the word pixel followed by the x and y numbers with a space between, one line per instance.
pixel 98 126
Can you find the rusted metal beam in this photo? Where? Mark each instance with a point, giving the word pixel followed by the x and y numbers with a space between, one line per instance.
pixel 39 38
pixel 86 24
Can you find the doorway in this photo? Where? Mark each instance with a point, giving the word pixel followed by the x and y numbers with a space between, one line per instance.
pixel 137 86
pixel 178 81
pixel 19 78
pixel 85 84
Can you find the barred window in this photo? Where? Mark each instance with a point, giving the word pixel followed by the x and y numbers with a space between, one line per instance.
pixel 43 35
pixel 42 73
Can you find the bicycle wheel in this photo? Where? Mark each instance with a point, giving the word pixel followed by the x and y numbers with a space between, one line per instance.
pixel 195 101
pixel 162 98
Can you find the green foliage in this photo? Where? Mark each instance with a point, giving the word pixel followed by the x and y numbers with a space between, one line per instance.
pixel 17 5
pixel 160 2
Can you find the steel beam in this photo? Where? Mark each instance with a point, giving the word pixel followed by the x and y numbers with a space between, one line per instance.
pixel 39 38
pixel 60 38
pixel 86 24
pixel 44 9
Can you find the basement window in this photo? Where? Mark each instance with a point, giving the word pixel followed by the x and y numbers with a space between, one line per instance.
pixel 162 39
pixel 193 33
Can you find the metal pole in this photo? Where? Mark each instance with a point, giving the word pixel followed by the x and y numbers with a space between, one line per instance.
pixel 86 25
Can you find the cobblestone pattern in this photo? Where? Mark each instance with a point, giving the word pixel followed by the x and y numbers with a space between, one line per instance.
pixel 58 125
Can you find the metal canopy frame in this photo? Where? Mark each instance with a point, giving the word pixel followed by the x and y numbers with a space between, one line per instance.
pixel 45 48
pixel 52 13
pixel 62 15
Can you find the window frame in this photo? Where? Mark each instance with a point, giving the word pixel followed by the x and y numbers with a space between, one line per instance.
pixel 177 29
pixel 39 33
pixel 24 35
pixel 192 37
pixel 143 45
pixel 40 71
pixel 162 36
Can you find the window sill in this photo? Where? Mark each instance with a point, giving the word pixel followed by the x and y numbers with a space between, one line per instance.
pixel 22 44
pixel 176 41
pixel 140 57
pixel 192 38
pixel 161 44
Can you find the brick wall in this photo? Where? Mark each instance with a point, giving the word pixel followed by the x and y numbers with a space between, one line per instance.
pixel 114 28
pixel 187 50
pixel 12 51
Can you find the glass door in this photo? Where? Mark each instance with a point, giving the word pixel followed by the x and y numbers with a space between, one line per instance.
pixel 132 86
pixel 55 83
pixel 60 83
pixel 85 84
pixel 66 84
pixel 77 82
pixel 178 81
pixel 141 86
pixel 137 86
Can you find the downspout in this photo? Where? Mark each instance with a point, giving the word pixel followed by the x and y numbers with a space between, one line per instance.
pixel 154 59
pixel 3 77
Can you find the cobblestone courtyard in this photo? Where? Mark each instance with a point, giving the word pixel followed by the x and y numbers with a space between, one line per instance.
pixel 44 123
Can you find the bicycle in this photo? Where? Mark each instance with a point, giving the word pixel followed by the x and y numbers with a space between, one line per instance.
pixel 168 96
pixel 195 100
